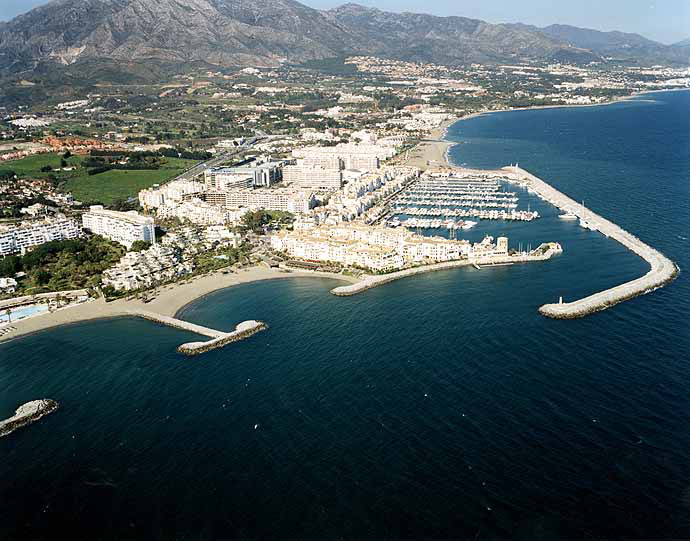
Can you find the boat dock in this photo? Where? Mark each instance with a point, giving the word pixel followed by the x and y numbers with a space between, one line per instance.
pixel 662 270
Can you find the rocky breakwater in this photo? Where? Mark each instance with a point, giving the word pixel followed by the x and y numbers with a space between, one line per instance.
pixel 544 252
pixel 242 331
pixel 27 414
pixel 662 270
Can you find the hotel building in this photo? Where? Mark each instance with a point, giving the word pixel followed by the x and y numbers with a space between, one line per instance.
pixel 18 239
pixel 122 227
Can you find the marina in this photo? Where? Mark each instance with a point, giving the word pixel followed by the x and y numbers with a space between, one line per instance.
pixel 436 200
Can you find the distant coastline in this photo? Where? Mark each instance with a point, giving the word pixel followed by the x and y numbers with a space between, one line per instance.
pixel 448 144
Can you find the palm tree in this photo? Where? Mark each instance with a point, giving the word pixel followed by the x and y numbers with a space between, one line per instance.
pixel 8 313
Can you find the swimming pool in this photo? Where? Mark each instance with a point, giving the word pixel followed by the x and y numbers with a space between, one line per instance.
pixel 22 312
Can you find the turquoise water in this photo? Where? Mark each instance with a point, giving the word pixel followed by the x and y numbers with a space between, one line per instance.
pixel 437 406
pixel 23 312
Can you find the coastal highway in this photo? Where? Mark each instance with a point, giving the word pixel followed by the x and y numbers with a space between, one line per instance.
pixel 217 160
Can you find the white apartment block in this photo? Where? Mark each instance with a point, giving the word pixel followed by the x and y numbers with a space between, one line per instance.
pixel 18 239
pixel 287 199
pixel 375 247
pixel 222 179
pixel 353 156
pixel 122 227
pixel 200 212
pixel 137 270
pixel 313 177
pixel 170 193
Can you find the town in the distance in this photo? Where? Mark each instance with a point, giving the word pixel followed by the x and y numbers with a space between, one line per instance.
pixel 124 194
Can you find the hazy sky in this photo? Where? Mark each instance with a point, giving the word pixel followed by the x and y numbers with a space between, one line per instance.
pixel 667 21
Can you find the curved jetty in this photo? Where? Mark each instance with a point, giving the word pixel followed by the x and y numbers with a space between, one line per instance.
pixel 662 270
pixel 242 331
pixel 27 414
pixel 370 282
pixel 217 338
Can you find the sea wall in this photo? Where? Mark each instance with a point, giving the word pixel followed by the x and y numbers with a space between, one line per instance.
pixel 374 281
pixel 242 331
pixel 27 414
pixel 662 270
pixel 176 323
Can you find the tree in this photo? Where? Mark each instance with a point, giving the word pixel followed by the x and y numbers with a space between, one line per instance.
pixel 140 246
pixel 42 277
pixel 46 169
pixel 10 265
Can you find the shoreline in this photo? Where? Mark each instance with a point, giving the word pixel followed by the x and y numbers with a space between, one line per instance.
pixel 172 300
pixel 614 101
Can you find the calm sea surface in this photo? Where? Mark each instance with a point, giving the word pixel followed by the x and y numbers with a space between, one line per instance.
pixel 437 406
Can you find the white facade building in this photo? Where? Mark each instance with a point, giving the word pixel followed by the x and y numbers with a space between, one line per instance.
pixel 122 227
pixel 313 177
pixel 18 239
pixel 170 193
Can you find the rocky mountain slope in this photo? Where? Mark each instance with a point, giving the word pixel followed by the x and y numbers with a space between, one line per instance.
pixel 228 33
pixel 619 45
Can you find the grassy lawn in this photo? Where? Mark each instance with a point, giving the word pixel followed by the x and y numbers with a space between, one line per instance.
pixel 104 187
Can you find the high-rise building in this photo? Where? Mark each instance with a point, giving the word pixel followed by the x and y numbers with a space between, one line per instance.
pixel 18 239
pixel 123 227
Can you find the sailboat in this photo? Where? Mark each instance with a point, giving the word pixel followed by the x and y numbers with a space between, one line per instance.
pixel 585 223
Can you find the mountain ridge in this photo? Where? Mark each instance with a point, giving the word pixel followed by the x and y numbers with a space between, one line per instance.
pixel 237 33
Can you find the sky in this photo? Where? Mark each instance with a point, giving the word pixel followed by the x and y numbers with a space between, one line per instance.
pixel 667 21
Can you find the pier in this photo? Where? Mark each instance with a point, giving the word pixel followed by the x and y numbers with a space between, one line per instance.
pixel 217 338
pixel 662 270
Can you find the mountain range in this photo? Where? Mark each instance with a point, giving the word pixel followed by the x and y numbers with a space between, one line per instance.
pixel 106 36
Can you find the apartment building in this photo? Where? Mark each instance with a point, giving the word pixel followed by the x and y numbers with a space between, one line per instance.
pixel 378 248
pixel 18 239
pixel 170 193
pixel 122 227
pixel 313 177
pixel 136 270
pixel 287 199
pixel 201 212
pixel 258 175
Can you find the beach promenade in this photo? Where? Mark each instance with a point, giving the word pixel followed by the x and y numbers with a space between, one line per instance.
pixel 165 305
pixel 662 270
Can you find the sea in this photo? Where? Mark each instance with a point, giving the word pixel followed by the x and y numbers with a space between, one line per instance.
pixel 439 406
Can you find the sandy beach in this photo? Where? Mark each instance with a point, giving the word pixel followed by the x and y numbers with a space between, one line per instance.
pixel 433 151
pixel 168 302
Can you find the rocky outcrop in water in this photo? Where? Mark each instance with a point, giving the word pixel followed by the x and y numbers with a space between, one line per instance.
pixel 27 414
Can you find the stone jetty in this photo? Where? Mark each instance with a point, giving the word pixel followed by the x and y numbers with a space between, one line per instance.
pixel 662 270
pixel 242 331
pixel 27 414
pixel 217 338
pixel 370 282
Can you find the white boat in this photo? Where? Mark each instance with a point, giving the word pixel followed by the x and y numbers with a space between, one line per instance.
pixel 567 216
pixel 468 225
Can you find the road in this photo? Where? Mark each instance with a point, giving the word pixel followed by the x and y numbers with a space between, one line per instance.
pixel 217 160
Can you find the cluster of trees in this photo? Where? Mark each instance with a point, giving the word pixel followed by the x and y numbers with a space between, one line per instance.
pixel 6 175
pixel 178 152
pixel 255 221
pixel 66 264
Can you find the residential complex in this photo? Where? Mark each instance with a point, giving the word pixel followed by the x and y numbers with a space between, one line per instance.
pixel 138 270
pixel 18 239
pixel 123 227
pixel 380 248
pixel 313 177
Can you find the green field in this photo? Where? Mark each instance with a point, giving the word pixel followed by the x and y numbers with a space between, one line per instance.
pixel 105 187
